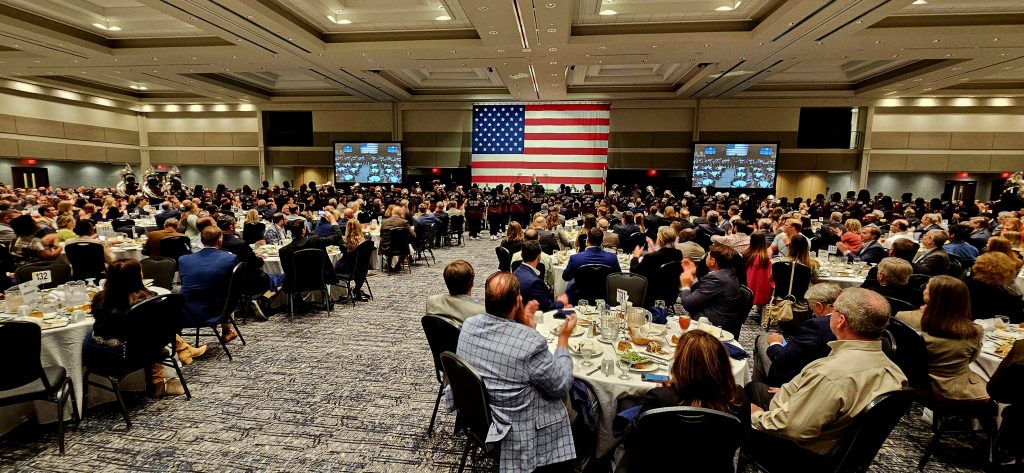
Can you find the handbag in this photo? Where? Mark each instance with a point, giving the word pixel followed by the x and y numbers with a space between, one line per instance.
pixel 779 309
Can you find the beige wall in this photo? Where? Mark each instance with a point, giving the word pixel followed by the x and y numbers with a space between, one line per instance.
pixel 215 139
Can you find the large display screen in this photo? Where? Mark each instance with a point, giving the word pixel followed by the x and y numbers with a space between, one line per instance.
pixel 369 163
pixel 735 165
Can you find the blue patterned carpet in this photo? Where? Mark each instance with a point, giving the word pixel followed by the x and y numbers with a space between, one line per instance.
pixel 347 391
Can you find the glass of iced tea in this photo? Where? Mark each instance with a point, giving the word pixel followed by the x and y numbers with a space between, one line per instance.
pixel 684 322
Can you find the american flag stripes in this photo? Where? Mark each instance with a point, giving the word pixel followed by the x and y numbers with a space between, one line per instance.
pixel 560 143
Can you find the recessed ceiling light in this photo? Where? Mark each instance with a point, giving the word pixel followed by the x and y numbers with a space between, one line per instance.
pixel 602 48
pixel 492 32
pixel 920 2
pixel 452 51
pixel 607 12
pixel 501 50
pixel 483 8
pixel 552 30
pixel 338 10
pixel 440 7
pixel 339 20
pixel 443 18
pixel 550 5
pixel 645 59
pixel 552 49
pixel 106 26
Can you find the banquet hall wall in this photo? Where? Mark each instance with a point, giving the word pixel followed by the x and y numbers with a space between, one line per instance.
pixel 902 146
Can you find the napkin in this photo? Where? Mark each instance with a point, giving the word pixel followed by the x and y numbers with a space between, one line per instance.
pixel 735 352
pixel 659 315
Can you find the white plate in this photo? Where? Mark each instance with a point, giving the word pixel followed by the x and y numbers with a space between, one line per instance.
pixel 654 367
pixel 723 336
pixel 577 331
pixel 594 353
pixel 147 282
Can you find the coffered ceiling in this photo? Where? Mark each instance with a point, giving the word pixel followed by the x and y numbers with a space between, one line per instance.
pixel 278 51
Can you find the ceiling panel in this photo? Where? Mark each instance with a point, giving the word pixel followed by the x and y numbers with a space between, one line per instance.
pixel 948 7
pixel 352 16
pixel 118 19
pixel 589 12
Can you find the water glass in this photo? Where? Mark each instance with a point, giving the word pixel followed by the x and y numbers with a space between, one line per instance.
pixel 609 327
pixel 660 304
pixel 14 299
pixel 1002 322
pixel 586 350
pixel 600 306
pixel 624 367
pixel 584 306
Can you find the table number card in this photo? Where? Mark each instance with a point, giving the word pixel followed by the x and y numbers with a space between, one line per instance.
pixel 621 296
pixel 42 277
pixel 822 254
pixel 831 249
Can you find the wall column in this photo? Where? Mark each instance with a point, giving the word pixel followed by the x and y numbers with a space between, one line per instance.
pixel 865 154
pixel 261 158
pixel 143 126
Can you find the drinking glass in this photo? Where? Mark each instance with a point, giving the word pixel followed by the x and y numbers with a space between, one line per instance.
pixel 660 304
pixel 600 305
pixel 624 367
pixel 684 322
pixel 586 350
pixel 584 306
pixel 607 366
pixel 14 299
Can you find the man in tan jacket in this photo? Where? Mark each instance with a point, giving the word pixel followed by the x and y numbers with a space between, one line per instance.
pixel 815 410
pixel 153 238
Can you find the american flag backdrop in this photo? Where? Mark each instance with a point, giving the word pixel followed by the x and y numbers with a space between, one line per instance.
pixel 560 143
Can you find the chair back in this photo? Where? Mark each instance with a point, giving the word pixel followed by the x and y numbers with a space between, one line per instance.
pixel 898 305
pixel 175 247
pixel 581 241
pixel 736 323
pixel 591 281
pixel 870 429
pixel 152 325
pixel 60 273
pixel 236 286
pixel 549 249
pixel 22 341
pixel 504 258
pixel 442 335
pixel 363 252
pixel 635 239
pixel 160 269
pixel 909 351
pixel 398 242
pixel 431 236
pixel 123 225
pixel 515 265
pixel 716 435
pixel 634 284
pixel 801 279
pixel 455 224
pixel 88 259
pixel 253 232
pixel 918 281
pixel 956 266
pixel 666 285
pixel 470 395
pixel 303 276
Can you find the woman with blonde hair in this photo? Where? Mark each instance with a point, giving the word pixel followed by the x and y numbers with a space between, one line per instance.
pixel 347 264
pixel 952 339
pixel 253 229
pixel 514 237
pixel 851 237
pixel 992 288
pixel 998 244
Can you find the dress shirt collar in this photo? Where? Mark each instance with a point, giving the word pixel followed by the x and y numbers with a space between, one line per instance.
pixel 536 271
pixel 848 345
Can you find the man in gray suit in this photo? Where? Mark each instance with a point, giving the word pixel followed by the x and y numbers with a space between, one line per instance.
pixel 933 259
pixel 526 382
pixel 458 304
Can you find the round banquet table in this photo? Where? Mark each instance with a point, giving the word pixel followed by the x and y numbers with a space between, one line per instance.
pixel 146 224
pixel 987 362
pixel 827 273
pixel 560 283
pixel 272 264
pixel 127 252
pixel 63 347
pixel 610 389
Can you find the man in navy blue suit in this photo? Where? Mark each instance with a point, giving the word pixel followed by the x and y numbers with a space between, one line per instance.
pixel 593 254
pixel 778 360
pixel 204 280
pixel 531 286
pixel 870 250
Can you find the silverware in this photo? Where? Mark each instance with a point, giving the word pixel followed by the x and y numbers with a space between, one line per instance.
pixel 595 370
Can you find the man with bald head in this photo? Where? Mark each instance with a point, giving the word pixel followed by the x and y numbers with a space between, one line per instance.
pixel 525 381
pixel 815 410
pixel 611 239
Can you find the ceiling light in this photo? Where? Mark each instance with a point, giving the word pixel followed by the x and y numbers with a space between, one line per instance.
pixel 936 40
pixel 607 12
pixel 492 32
pixel 878 41
pixel 483 8
pixel 138 87
pixel 552 30
pixel 443 18
pixel 552 49
pixel 106 26
pixel 339 20
pixel 602 48
pixel 724 8
pixel 501 50
pixel 338 10
pixel 550 5
pixel 920 2
pixel 452 51
pixel 995 39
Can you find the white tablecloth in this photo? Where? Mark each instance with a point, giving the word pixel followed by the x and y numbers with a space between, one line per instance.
pixel 121 252
pixel 272 264
pixel 610 389
pixel 63 347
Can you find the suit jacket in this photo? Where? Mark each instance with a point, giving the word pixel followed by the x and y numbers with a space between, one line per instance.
pixel 934 262
pixel 988 301
pixel 547 238
pixel 611 240
pixel 532 288
pixel 949 362
pixel 254 275
pixel 871 253
pixel 385 231
pixel 648 265
pixel 458 308
pixel 902 292
pixel 153 238
pixel 526 383
pixel 163 216
pixel 809 343
pixel 204 282
pixel 979 239
pixel 590 255
pixel 716 296
pixel 287 253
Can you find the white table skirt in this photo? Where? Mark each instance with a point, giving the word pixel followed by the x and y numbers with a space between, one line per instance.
pixel 272 264
pixel 127 253
pixel 610 389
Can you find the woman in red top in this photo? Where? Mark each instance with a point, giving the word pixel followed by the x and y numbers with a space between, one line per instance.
pixel 759 268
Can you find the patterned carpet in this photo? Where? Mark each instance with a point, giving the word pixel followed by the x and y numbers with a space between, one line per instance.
pixel 346 391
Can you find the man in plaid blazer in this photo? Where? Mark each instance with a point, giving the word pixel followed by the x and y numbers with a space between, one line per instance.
pixel 526 383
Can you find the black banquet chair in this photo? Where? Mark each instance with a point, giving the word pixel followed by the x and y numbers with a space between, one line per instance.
pixel 88 260
pixel 634 284
pixel 23 377
pixel 175 247
pixel 153 325
pixel 235 289
pixel 398 246
pixel 716 435
pixel 504 258
pixel 591 281
pixel 666 286
pixel 303 277
pixel 359 270
pixel 857 451
pixel 455 228
pixel 60 273
pixel 442 335
pixel 160 270
pixel 471 401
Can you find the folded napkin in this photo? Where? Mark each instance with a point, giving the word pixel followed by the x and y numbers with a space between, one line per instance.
pixel 659 315
pixel 735 352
